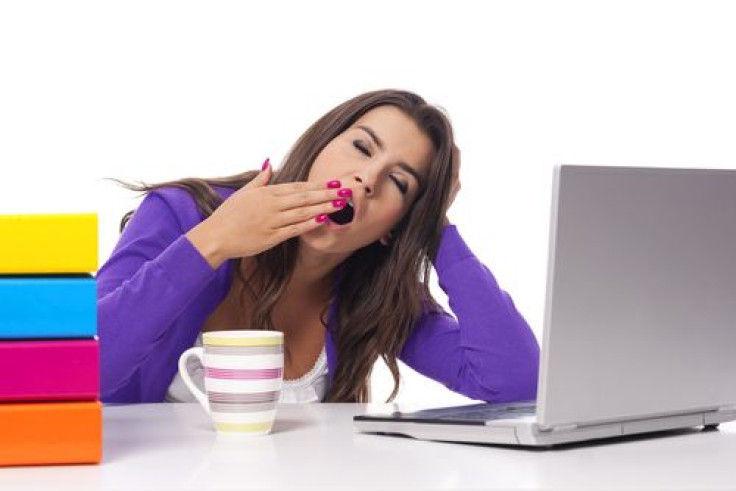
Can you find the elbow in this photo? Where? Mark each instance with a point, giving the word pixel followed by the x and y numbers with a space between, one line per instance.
pixel 517 388
pixel 110 385
pixel 520 382
pixel 107 395
pixel 517 380
pixel 117 389
pixel 522 377
pixel 118 376
pixel 513 388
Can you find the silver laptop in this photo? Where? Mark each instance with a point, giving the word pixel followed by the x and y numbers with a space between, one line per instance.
pixel 640 315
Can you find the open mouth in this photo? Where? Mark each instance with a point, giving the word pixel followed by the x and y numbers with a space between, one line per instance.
pixel 344 215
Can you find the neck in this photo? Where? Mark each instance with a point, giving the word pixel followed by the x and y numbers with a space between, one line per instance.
pixel 314 270
pixel 313 274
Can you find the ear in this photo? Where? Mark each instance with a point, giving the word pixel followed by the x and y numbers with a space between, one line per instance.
pixel 386 239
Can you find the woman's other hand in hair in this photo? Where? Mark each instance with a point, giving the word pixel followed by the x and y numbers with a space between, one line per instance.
pixel 455 187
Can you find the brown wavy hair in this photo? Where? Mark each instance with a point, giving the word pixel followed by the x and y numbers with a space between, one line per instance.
pixel 384 289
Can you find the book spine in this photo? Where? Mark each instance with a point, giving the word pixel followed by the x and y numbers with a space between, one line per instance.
pixel 48 307
pixel 51 433
pixel 44 243
pixel 49 370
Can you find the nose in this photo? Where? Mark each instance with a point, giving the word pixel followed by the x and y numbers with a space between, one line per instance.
pixel 367 178
pixel 368 188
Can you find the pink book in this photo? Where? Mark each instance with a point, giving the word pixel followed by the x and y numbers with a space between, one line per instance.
pixel 49 370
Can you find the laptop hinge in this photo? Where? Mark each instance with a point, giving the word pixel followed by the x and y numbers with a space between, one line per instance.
pixel 566 427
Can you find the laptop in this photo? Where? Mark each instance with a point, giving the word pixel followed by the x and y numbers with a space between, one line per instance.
pixel 639 327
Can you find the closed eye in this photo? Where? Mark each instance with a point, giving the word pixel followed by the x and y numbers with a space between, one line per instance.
pixel 359 145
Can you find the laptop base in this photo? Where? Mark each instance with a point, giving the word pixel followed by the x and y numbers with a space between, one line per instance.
pixel 526 431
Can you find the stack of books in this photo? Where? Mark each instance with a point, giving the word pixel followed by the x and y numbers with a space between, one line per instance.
pixel 50 412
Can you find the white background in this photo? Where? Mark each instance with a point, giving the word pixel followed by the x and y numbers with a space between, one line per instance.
pixel 150 90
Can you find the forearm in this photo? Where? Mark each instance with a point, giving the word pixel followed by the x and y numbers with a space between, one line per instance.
pixel 207 243
pixel 134 316
pixel 488 352
pixel 499 347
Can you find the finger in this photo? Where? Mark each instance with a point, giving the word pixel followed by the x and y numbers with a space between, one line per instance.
pixel 299 228
pixel 263 177
pixel 287 188
pixel 304 213
pixel 313 197
pixel 455 159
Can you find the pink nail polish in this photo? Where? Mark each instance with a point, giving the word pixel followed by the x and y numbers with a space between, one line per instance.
pixel 265 164
pixel 333 184
pixel 339 203
pixel 321 218
pixel 344 193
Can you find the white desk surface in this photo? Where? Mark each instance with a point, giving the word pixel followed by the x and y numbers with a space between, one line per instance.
pixel 314 446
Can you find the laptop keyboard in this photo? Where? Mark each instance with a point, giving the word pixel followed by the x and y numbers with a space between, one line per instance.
pixel 481 412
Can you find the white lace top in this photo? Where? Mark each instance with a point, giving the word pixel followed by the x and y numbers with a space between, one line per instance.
pixel 310 387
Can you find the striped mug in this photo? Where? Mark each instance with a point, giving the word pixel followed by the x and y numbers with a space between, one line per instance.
pixel 243 376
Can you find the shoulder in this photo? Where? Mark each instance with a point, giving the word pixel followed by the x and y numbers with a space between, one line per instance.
pixel 181 203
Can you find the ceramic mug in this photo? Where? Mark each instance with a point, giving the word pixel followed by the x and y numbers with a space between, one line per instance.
pixel 243 377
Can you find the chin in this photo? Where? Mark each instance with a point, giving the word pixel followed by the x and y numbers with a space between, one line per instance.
pixel 323 241
pixel 318 239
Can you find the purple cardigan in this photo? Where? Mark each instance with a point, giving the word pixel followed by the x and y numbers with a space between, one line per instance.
pixel 156 290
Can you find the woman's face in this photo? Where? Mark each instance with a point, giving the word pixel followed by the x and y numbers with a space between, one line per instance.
pixel 384 158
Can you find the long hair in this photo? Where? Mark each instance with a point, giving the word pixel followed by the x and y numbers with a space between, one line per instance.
pixel 384 289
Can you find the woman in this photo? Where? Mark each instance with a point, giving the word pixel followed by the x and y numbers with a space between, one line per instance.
pixel 348 228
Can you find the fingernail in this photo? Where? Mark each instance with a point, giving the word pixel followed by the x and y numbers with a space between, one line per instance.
pixel 344 193
pixel 333 184
pixel 265 164
pixel 339 203
pixel 321 218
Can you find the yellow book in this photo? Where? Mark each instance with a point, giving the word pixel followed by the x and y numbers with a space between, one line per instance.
pixel 48 243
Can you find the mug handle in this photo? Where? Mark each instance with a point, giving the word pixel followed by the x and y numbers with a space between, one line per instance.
pixel 198 352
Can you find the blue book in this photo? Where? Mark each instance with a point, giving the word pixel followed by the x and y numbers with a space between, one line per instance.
pixel 48 307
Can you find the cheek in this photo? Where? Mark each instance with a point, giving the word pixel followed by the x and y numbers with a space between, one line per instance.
pixel 318 167
pixel 325 165
pixel 388 216
pixel 396 210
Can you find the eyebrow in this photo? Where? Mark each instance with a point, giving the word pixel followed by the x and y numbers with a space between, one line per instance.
pixel 403 165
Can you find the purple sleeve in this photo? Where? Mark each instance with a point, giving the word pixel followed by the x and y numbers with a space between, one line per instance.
pixel 489 353
pixel 151 276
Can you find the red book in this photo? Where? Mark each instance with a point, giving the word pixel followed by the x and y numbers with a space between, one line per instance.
pixel 49 370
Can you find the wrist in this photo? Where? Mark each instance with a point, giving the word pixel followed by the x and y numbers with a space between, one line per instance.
pixel 207 244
